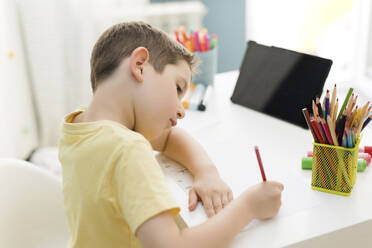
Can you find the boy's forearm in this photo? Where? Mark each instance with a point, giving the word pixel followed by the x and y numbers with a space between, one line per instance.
pixel 182 148
pixel 219 230
pixel 216 232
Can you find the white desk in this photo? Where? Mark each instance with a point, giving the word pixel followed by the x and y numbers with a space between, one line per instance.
pixel 307 218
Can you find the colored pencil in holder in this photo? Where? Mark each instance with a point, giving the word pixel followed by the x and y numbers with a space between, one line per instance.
pixel 345 103
pixel 307 119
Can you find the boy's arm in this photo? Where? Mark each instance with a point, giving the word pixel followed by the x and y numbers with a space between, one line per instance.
pixel 261 201
pixel 181 147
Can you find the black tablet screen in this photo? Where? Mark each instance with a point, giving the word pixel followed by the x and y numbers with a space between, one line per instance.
pixel 280 82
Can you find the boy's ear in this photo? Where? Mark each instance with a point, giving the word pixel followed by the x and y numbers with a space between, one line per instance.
pixel 138 58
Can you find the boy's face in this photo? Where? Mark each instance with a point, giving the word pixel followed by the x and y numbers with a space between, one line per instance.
pixel 159 106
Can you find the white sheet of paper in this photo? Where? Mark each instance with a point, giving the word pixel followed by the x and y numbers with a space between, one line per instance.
pixel 297 195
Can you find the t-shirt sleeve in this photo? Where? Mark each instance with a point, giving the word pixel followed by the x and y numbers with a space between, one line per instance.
pixel 142 188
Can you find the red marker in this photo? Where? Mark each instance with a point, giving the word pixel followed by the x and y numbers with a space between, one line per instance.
pixel 260 163
pixel 366 149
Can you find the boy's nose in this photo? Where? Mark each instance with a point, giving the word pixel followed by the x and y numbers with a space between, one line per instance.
pixel 180 112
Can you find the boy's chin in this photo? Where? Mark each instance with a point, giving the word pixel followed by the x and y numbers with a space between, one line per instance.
pixel 161 132
pixel 155 135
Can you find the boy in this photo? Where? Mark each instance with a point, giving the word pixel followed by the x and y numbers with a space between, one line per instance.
pixel 114 191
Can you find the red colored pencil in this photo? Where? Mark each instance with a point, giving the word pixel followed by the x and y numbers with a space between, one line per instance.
pixel 317 132
pixel 260 163
pixel 327 132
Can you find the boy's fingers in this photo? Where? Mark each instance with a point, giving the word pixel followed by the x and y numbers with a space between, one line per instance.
pixel 230 196
pixel 193 199
pixel 208 206
pixel 280 186
pixel 225 200
pixel 217 203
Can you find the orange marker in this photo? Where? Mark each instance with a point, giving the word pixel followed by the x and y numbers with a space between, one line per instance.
pixel 186 100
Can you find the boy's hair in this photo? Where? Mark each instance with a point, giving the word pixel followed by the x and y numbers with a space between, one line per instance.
pixel 120 40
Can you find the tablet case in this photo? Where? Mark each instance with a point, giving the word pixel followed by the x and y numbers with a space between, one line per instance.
pixel 280 82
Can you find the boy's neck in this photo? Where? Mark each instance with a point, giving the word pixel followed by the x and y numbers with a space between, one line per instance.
pixel 110 102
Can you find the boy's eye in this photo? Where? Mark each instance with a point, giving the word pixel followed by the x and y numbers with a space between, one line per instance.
pixel 179 90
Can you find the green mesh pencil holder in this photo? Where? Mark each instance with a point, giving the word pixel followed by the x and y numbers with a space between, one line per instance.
pixel 334 168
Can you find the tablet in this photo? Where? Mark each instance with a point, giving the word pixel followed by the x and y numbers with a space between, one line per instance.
pixel 280 82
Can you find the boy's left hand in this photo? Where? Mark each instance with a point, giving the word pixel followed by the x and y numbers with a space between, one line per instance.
pixel 214 193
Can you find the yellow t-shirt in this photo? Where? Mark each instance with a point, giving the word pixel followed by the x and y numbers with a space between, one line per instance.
pixel 112 183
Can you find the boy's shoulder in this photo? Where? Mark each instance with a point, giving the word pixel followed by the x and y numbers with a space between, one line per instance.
pixel 107 133
pixel 117 133
pixel 101 135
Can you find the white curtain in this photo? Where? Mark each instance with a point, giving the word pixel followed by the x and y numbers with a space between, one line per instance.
pixel 59 36
pixel 18 130
pixel 58 67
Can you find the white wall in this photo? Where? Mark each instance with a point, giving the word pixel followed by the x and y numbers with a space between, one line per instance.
pixel 276 23
pixel 334 29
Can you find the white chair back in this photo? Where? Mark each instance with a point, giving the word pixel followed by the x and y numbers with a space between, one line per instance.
pixel 31 207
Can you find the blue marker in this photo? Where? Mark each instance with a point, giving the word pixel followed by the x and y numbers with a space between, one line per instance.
pixel 203 103
pixel 197 96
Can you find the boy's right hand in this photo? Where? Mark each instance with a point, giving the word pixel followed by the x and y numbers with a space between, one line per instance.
pixel 264 199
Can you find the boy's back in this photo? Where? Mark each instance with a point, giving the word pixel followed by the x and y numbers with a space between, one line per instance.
pixel 105 165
